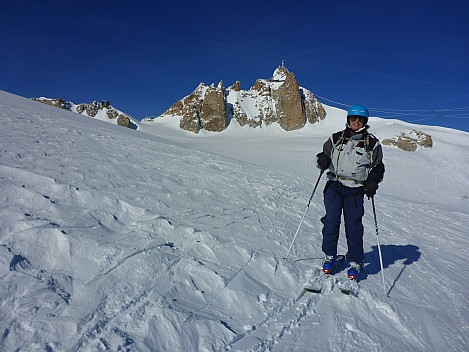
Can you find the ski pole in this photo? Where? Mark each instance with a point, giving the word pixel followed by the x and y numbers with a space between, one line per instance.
pixel 306 210
pixel 379 245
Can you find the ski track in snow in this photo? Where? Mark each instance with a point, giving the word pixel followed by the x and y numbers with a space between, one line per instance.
pixel 113 239
pixel 281 329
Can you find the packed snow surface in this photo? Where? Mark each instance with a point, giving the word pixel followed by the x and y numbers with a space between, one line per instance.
pixel 162 240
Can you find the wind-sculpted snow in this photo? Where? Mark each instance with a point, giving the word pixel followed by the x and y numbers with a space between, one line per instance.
pixel 158 240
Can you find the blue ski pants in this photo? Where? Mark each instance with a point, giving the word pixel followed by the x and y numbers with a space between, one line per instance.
pixel 340 199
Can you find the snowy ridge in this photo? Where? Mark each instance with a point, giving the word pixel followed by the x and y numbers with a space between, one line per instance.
pixel 100 111
pixel 162 240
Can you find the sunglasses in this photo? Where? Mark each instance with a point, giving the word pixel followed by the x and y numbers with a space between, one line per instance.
pixel 359 118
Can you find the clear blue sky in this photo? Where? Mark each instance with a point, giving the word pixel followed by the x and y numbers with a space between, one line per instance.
pixel 145 55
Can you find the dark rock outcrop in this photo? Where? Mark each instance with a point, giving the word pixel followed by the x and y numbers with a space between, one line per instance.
pixel 289 104
pixel 213 114
pixel 56 102
pixel 410 141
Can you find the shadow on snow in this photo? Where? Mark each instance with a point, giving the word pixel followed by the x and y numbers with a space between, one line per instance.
pixel 391 254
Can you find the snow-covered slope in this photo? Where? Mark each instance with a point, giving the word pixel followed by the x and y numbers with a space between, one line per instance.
pixel 160 240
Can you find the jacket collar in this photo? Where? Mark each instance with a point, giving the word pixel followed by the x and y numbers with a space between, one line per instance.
pixel 349 133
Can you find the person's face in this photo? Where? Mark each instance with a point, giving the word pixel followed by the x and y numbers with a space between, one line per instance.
pixel 356 122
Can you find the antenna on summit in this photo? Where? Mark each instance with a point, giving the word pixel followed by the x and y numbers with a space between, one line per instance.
pixel 283 63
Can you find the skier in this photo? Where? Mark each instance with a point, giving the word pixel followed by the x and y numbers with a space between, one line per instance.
pixel 353 158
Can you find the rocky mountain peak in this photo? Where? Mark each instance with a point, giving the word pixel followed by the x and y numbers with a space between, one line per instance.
pixel 279 99
pixel 280 74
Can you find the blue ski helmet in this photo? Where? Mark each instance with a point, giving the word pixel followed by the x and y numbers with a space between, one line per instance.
pixel 358 110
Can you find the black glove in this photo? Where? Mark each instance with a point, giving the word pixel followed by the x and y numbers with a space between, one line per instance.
pixel 370 188
pixel 323 161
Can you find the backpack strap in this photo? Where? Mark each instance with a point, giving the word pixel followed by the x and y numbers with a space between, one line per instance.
pixel 338 138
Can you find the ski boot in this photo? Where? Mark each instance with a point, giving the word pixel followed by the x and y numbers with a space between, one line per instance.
pixel 354 270
pixel 328 265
